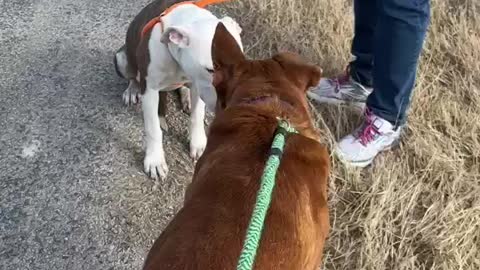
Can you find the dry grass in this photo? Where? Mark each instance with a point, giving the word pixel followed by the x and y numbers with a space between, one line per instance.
pixel 418 207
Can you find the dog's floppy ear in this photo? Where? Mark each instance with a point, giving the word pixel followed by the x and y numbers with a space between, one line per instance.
pixel 230 23
pixel 177 35
pixel 298 71
pixel 225 53
pixel 234 29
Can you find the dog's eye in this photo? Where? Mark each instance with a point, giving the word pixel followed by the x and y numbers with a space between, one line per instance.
pixel 209 70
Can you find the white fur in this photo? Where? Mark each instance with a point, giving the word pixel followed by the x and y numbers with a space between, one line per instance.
pixel 180 54
pixel 132 94
pixel 186 99
pixel 122 62
pixel 154 163
pixel 198 138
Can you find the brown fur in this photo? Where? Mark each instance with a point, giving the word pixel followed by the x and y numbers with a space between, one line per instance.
pixel 209 230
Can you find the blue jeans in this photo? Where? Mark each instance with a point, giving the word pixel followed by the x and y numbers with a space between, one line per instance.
pixel 388 39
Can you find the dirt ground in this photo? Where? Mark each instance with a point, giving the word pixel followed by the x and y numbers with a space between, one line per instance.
pixel 72 191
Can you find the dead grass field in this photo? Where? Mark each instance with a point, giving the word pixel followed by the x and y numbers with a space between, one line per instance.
pixel 418 207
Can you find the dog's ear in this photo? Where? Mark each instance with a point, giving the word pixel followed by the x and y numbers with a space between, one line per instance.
pixel 234 29
pixel 177 35
pixel 298 71
pixel 231 24
pixel 225 54
pixel 225 50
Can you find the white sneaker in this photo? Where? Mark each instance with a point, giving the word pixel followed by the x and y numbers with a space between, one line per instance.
pixel 374 136
pixel 340 90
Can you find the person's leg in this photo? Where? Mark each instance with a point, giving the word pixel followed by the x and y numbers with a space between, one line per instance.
pixel 353 86
pixel 399 37
pixel 361 67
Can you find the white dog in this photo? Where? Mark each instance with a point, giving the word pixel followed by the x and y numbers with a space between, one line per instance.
pixel 163 54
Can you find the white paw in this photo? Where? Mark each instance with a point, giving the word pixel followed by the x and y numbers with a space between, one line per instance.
pixel 185 99
pixel 198 142
pixel 155 165
pixel 131 96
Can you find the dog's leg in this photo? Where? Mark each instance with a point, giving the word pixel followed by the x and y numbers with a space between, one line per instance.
pixel 185 99
pixel 198 138
pixel 123 68
pixel 121 64
pixel 162 109
pixel 154 164
pixel 131 95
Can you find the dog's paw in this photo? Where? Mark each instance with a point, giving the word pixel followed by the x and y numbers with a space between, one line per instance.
pixel 185 99
pixel 155 165
pixel 131 96
pixel 198 143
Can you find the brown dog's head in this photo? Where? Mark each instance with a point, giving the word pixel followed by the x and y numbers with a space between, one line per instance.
pixel 236 78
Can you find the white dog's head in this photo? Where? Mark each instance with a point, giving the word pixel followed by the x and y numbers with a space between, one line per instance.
pixel 189 37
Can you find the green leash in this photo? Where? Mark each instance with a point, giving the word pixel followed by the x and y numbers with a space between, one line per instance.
pixel 264 197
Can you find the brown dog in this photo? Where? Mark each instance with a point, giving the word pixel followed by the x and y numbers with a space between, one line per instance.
pixel 209 230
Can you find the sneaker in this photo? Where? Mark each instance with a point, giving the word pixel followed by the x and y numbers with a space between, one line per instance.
pixel 374 136
pixel 340 90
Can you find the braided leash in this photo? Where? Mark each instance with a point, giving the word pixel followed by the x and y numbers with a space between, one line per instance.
pixel 264 197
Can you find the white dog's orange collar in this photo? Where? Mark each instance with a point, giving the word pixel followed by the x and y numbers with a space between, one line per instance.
pixel 201 4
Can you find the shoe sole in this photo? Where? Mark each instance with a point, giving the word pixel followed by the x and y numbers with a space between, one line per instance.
pixel 335 101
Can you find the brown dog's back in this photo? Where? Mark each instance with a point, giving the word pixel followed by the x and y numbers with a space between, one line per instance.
pixel 208 232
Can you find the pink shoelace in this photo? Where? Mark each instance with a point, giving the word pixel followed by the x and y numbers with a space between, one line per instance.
pixel 369 131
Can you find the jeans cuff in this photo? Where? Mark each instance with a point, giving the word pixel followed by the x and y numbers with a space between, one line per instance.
pixel 360 75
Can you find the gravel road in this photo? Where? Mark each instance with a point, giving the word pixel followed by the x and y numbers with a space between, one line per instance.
pixel 72 191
